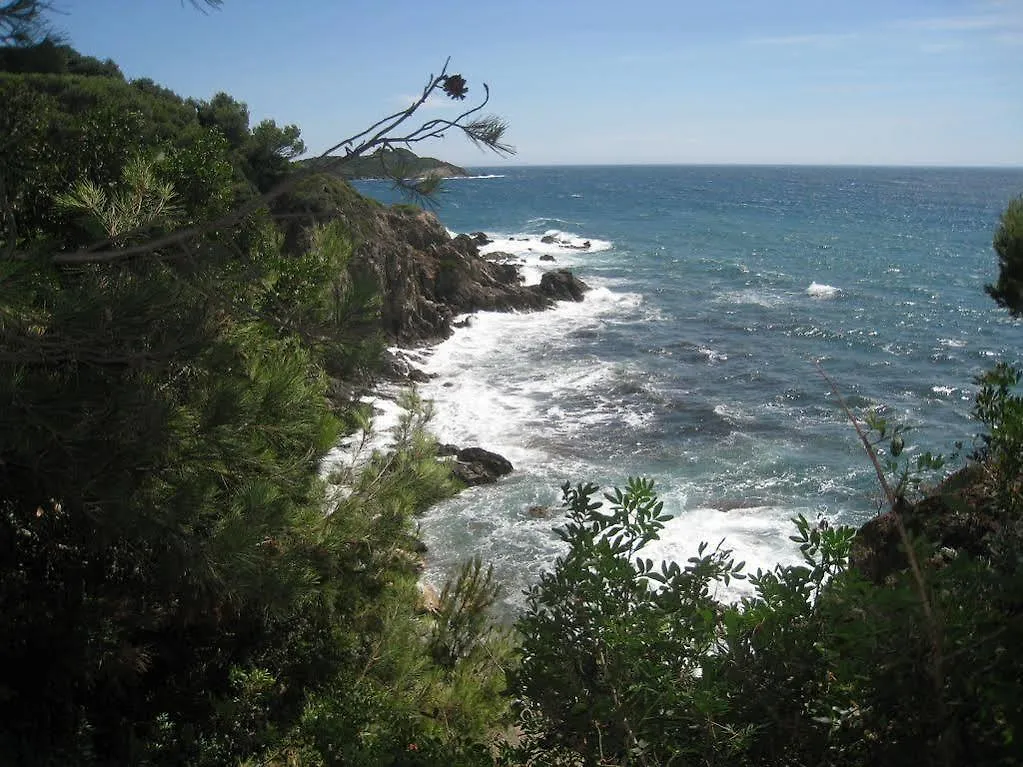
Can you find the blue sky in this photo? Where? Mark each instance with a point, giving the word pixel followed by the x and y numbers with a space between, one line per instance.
pixel 889 82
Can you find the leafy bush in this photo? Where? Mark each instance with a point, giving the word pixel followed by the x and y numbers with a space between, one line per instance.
pixel 627 662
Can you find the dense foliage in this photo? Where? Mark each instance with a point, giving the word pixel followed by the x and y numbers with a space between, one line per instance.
pixel 179 584
pixel 1008 290
pixel 626 661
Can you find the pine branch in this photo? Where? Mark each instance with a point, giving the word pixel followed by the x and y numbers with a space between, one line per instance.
pixel 485 132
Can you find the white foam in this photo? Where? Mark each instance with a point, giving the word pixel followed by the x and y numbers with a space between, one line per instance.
pixel 355 449
pixel 712 355
pixel 819 290
pixel 758 536
pixel 564 243
pixel 473 178
pixel 751 296
pixel 732 413
pixel 484 395
pixel 952 343
pixel 566 250
pixel 944 390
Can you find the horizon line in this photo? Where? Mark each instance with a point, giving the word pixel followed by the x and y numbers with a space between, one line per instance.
pixel 915 166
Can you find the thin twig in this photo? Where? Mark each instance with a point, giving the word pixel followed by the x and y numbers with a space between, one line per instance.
pixel 937 669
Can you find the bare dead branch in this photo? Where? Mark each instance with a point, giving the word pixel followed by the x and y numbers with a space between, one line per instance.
pixel 933 626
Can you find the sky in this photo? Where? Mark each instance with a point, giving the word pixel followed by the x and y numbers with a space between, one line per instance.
pixel 862 82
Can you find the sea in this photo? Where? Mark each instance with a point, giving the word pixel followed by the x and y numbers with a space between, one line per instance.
pixel 718 296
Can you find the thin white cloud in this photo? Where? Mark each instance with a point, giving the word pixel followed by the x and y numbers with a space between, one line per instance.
pixel 1001 17
pixel 823 39
pixel 942 47
pixel 958 23
pixel 1010 38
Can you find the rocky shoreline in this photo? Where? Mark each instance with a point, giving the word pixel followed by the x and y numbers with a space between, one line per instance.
pixel 426 278
pixel 429 282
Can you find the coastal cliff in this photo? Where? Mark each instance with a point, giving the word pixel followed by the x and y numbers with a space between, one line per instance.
pixel 423 276
pixel 427 278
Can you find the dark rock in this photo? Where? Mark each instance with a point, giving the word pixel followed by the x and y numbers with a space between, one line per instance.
pixel 476 466
pixel 539 512
pixel 425 277
pixel 461 323
pixel 876 550
pixel 954 517
pixel 562 285
pixel 480 238
pixel 549 239
pixel 418 546
pixel 417 375
pixel 471 474
pixel 546 257
pixel 586 244
pixel 494 462
pixel 445 448
pixel 500 256
pixel 728 504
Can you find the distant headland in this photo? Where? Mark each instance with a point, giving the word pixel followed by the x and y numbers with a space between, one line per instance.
pixel 397 163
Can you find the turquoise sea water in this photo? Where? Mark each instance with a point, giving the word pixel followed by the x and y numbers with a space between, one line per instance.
pixel 692 359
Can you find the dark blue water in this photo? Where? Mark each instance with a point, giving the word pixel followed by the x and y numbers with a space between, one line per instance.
pixel 716 289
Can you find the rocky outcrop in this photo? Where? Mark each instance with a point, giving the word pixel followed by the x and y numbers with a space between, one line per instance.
pixel 562 285
pixel 425 277
pixel 550 239
pixel 954 516
pixel 476 466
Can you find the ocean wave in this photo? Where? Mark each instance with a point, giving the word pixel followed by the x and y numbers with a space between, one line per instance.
pixel 711 355
pixel 474 178
pixel 752 296
pixel 499 382
pixel 819 290
pixel 732 413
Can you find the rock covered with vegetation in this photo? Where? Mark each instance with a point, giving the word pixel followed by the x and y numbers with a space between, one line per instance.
pixel 389 162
